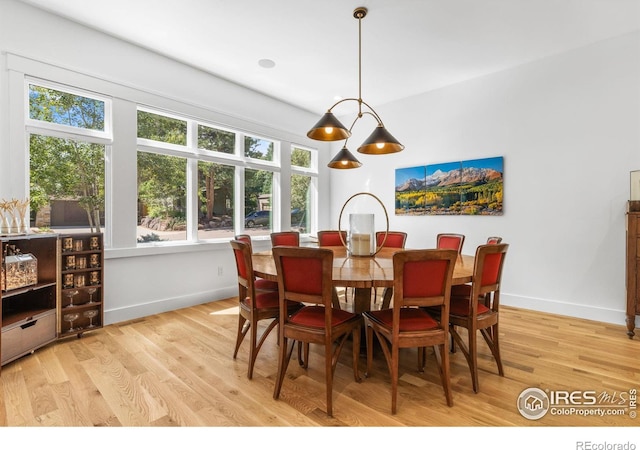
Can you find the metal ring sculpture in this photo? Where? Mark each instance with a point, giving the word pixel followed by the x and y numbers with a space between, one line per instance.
pixel 385 215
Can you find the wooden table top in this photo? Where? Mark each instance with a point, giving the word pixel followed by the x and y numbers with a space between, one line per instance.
pixel 359 271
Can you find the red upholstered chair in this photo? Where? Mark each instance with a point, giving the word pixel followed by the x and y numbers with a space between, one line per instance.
pixel 494 240
pixel 421 278
pixel 260 283
pixel 450 240
pixel 254 305
pixel 395 239
pixel 290 238
pixel 331 238
pixel 479 310
pixel 304 275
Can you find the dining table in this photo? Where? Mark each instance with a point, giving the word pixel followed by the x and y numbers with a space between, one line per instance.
pixel 361 272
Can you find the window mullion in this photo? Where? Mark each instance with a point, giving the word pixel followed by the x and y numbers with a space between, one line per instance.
pixel 192 182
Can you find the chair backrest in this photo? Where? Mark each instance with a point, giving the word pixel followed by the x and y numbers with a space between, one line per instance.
pixel 331 238
pixel 451 241
pixel 244 238
pixel 423 278
pixel 487 272
pixel 304 275
pixel 395 239
pixel 244 268
pixel 494 240
pixel 290 238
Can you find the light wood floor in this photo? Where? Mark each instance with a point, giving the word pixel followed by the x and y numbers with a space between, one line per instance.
pixel 176 369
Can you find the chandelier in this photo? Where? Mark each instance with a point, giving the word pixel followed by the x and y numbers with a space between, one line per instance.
pixel 329 128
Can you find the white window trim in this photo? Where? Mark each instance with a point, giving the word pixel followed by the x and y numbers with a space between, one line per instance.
pixel 125 148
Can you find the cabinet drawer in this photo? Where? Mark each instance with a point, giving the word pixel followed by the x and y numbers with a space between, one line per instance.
pixel 27 335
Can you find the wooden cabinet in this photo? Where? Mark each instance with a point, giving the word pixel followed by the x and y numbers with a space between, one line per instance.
pixel 29 294
pixel 633 265
pixel 81 283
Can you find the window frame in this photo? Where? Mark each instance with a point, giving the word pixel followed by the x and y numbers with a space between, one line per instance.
pixel 67 132
pixel 59 130
pixel 120 140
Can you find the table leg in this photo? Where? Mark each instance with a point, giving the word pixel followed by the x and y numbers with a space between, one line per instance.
pixel 362 300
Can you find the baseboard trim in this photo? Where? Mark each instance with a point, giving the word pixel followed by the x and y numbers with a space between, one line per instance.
pixel 139 310
pixel 600 314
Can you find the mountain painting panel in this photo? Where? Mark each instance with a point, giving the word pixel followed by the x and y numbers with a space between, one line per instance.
pixel 471 187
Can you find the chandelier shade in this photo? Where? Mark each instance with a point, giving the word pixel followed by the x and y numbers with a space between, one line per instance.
pixel 344 159
pixel 329 128
pixel 380 142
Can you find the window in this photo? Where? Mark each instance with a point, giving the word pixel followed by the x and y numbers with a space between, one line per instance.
pixel 168 152
pixel 303 165
pixel 216 195
pixel 162 198
pixel 162 128
pixel 258 148
pixel 65 108
pixel 300 202
pixel 300 157
pixel 257 202
pixel 216 140
pixel 67 158
pixel 194 180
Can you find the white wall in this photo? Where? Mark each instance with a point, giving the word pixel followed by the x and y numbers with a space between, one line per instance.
pixel 569 129
pixel 137 282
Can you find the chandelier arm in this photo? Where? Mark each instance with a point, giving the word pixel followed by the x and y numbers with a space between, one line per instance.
pixel 372 112
pixel 345 100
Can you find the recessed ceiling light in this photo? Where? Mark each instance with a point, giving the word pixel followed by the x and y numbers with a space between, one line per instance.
pixel 266 63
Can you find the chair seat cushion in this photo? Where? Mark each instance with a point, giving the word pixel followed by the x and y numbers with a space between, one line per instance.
pixel 268 299
pixel 460 307
pixel 266 285
pixel 411 319
pixel 313 316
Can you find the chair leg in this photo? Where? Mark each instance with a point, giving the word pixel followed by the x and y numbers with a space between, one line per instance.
pixel 491 337
pixel 466 349
pixel 242 331
pixel 253 348
pixel 356 353
pixel 386 298
pixel 257 344
pixel 335 300
pixel 442 358
pixel 328 375
pixel 422 356
pixel 395 359
pixel 283 362
pixel 369 340
pixel 473 359
pixel 303 360
pixel 453 342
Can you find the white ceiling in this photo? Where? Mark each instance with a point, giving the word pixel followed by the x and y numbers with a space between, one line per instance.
pixel 408 46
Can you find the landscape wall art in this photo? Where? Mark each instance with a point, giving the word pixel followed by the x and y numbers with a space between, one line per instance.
pixel 471 187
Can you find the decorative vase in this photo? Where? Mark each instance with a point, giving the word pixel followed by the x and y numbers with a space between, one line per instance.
pixel 5 227
pixel 25 224
pixel 15 224
pixel 362 236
